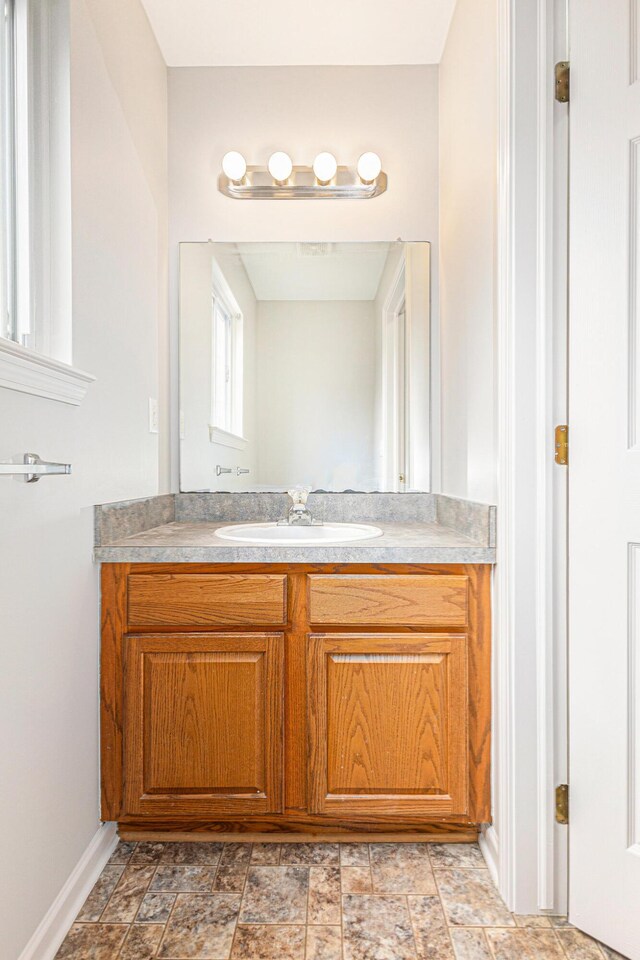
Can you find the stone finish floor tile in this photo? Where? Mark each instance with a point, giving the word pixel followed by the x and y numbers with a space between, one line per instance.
pixel 123 852
pixel 172 878
pixel 148 852
pixel 356 880
pixel 611 954
pixel 155 907
pixel 235 853
pixel 354 854
pixel 200 927
pixel 93 941
pixel 127 896
pixel 324 943
pixel 377 928
pixel 324 895
pixel 470 899
pixel 269 943
pixel 401 868
pixel 266 854
pixel 430 928
pixel 99 897
pixel 275 895
pixel 531 920
pixel 197 854
pixel 578 945
pixel 142 941
pixel 525 944
pixel 307 853
pixel 231 879
pixel 469 943
pixel 295 901
pixel 467 855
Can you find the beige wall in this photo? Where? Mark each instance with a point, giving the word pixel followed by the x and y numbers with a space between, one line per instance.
pixel 138 75
pixel 392 110
pixel 468 152
pixel 50 601
pixel 315 394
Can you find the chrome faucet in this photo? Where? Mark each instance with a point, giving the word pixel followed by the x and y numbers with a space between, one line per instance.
pixel 299 514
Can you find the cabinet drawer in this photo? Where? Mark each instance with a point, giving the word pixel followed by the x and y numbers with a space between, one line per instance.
pixel 206 599
pixel 386 600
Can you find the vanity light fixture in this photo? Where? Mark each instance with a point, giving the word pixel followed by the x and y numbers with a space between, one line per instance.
pixel 234 166
pixel 281 180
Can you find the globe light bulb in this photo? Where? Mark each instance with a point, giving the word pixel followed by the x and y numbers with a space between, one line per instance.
pixel 369 167
pixel 234 166
pixel 324 167
pixel 280 166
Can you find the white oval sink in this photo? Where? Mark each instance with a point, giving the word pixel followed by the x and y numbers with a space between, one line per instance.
pixel 289 536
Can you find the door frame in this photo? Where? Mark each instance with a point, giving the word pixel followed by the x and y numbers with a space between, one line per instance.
pixel 390 363
pixel 525 849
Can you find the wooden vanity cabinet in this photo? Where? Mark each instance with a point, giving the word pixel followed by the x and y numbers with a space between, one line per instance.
pixel 308 698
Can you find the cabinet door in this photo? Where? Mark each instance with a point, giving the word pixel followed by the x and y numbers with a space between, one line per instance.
pixel 388 725
pixel 203 724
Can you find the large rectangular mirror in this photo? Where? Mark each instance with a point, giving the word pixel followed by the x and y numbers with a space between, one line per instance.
pixel 304 363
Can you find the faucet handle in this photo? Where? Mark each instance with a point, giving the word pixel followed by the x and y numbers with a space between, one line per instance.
pixel 299 494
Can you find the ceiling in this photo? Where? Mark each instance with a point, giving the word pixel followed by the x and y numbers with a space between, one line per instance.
pixel 310 271
pixel 217 33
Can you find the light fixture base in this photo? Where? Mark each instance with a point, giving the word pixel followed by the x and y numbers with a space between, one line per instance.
pixel 258 184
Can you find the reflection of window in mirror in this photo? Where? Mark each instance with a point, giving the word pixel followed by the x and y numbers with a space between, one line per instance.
pixel 226 363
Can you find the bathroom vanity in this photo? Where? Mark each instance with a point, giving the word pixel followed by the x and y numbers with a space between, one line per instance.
pixel 346 694
pixel 314 664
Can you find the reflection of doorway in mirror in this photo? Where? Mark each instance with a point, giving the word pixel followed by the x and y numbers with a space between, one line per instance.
pixel 402 399
pixel 395 381
pixel 405 408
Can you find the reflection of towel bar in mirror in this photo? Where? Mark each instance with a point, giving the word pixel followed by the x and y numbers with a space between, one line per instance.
pixel 32 468
pixel 239 470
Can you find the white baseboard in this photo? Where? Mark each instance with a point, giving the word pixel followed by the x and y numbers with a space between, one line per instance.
pixel 488 841
pixel 57 921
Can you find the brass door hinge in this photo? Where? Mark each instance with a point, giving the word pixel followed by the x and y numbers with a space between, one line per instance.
pixel 562 803
pixel 562 444
pixel 563 81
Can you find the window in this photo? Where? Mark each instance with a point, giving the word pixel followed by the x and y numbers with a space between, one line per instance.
pixel 227 381
pixel 35 202
pixel 8 327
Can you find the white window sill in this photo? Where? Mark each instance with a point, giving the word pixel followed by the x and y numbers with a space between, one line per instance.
pixel 216 435
pixel 29 372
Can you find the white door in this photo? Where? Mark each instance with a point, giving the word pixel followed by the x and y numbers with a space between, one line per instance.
pixel 394 385
pixel 402 399
pixel 604 473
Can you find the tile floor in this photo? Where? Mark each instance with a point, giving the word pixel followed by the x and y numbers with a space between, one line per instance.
pixel 308 901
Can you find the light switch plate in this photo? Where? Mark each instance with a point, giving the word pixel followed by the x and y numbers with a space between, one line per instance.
pixel 153 415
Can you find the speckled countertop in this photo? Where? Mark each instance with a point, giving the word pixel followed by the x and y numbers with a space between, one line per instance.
pixel 198 543
pixel 173 529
